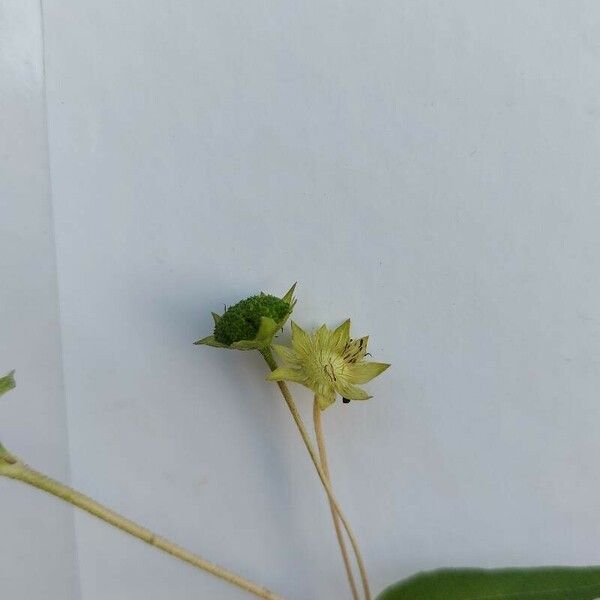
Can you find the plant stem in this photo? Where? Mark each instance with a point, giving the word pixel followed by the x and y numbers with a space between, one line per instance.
pixel 334 515
pixel 268 356
pixel 14 469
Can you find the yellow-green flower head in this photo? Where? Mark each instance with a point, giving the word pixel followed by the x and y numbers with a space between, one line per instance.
pixel 327 362
pixel 252 323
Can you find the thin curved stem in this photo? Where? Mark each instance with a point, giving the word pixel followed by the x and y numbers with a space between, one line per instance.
pixel 285 392
pixel 334 515
pixel 14 469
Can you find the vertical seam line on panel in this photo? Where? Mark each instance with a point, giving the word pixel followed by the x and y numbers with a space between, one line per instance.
pixel 77 587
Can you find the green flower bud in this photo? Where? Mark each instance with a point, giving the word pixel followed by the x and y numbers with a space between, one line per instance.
pixel 252 323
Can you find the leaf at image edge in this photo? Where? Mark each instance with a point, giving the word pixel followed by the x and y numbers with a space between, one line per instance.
pixel 539 583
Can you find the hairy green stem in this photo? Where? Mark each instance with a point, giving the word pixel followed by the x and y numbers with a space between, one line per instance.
pixel 12 468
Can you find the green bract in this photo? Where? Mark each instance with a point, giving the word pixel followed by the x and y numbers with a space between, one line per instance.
pixel 252 323
pixel 7 383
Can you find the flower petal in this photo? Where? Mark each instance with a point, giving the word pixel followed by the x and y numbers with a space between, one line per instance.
pixel 286 354
pixel 286 374
pixel 341 336
pixel 365 371
pixel 352 392
pixel 325 398
pixel 322 337
pixel 301 341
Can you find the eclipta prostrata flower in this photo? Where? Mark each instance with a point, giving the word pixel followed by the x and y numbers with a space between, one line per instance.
pixel 252 323
pixel 328 362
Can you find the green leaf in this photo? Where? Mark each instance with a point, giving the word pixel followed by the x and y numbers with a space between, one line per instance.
pixel 543 583
pixel 7 383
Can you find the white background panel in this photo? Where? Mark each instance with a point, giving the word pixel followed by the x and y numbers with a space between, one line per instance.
pixel 37 559
pixel 429 169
